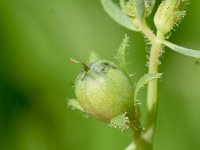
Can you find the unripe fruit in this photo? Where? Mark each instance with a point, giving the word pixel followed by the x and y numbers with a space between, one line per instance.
pixel 104 91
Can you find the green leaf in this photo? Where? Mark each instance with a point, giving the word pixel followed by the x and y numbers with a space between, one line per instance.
pixel 140 8
pixel 121 54
pixel 120 122
pixel 144 80
pixel 132 146
pixel 122 4
pixel 93 57
pixel 74 104
pixel 118 15
pixel 183 50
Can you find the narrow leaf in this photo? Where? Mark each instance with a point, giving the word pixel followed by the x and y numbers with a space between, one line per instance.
pixel 121 54
pixel 183 50
pixel 139 4
pixel 118 15
pixel 74 104
pixel 144 80
pixel 120 122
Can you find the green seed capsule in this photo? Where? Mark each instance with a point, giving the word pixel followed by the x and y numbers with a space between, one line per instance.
pixel 104 91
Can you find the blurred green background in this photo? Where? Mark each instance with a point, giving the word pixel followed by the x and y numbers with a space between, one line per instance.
pixel 37 38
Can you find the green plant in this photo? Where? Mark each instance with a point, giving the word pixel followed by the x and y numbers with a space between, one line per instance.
pixel 131 14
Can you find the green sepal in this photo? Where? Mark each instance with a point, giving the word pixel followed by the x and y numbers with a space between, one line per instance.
pixel 74 104
pixel 121 122
pixel 115 12
pixel 121 55
pixel 178 16
pixel 149 5
pixel 183 50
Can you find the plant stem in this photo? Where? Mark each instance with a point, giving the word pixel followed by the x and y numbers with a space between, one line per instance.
pixel 141 142
pixel 144 139
pixel 153 87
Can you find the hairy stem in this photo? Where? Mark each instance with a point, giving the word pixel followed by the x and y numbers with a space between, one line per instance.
pixel 152 89
pixel 144 139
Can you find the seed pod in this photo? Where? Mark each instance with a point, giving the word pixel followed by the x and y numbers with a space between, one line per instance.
pixel 104 91
pixel 169 14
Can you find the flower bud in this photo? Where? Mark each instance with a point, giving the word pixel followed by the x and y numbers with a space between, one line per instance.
pixel 104 91
pixel 169 14
pixel 130 7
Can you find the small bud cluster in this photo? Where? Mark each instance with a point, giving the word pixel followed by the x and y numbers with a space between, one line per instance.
pixel 129 7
